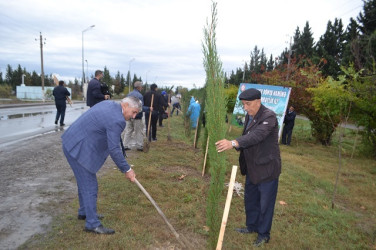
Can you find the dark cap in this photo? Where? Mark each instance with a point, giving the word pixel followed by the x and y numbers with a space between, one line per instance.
pixel 250 95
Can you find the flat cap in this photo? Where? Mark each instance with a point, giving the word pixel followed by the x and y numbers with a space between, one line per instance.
pixel 250 95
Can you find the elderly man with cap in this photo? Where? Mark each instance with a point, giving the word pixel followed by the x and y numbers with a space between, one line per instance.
pixel 260 162
pixel 135 125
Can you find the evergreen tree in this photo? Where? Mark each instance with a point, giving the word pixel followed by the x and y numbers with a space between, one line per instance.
pixel 107 77
pixel 305 45
pixel 35 79
pixel 2 82
pixel 330 48
pixel 215 125
pixel 270 63
pixel 367 19
pixel 351 46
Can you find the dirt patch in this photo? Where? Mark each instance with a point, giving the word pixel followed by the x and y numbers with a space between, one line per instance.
pixel 35 182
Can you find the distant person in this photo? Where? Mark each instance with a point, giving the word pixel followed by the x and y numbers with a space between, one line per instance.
pixel 87 144
pixel 289 123
pixel 135 126
pixel 158 103
pixel 94 92
pixel 260 162
pixel 175 102
pixel 162 114
pixel 194 111
pixel 60 93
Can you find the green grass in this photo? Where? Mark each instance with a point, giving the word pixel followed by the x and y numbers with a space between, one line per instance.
pixel 306 185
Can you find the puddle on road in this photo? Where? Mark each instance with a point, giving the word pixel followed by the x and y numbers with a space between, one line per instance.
pixel 21 115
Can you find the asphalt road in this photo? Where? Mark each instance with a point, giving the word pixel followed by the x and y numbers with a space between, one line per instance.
pixel 19 122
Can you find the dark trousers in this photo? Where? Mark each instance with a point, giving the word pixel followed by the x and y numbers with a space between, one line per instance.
pixel 177 106
pixel 160 118
pixel 87 191
pixel 286 135
pixel 60 112
pixel 153 124
pixel 259 201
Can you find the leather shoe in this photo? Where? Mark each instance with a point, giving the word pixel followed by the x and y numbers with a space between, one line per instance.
pixel 260 241
pixel 245 230
pixel 83 217
pixel 100 230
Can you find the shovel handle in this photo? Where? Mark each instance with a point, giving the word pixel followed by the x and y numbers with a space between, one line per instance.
pixel 151 105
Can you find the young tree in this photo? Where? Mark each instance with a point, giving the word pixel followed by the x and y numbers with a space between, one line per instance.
pixel 215 125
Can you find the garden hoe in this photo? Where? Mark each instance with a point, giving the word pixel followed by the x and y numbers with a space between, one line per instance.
pixel 147 142
pixel 179 238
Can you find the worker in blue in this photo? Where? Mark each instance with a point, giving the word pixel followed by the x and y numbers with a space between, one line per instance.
pixel 194 111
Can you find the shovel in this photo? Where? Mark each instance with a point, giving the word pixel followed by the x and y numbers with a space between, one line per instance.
pixel 147 142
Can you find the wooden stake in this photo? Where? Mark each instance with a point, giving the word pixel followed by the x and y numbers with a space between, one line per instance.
pixel 168 119
pixel 147 142
pixel 194 140
pixel 206 154
pixel 227 207
pixel 159 211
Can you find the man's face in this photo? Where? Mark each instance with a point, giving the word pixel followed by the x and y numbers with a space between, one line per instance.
pixel 129 113
pixel 251 107
pixel 291 108
pixel 100 76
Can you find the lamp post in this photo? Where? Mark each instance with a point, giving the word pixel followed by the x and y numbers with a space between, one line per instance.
pixel 87 70
pixel 83 72
pixel 129 80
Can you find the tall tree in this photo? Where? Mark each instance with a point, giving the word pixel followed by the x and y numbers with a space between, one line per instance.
pixel 215 125
pixel 270 63
pixel 330 47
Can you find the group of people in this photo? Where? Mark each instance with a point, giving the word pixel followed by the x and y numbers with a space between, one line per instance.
pixel 95 135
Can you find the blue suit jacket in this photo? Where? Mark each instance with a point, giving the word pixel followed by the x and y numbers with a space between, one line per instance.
pixel 95 135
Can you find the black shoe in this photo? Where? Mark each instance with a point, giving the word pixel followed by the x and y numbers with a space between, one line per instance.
pixel 126 149
pixel 154 139
pixel 140 149
pixel 161 126
pixel 62 124
pixel 83 217
pixel 56 122
pixel 100 230
pixel 244 230
pixel 260 241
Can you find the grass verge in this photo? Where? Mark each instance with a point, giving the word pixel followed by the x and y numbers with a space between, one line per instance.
pixel 171 173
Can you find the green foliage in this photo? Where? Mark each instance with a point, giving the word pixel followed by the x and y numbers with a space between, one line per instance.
pixel 5 91
pixel 363 89
pixel 215 125
pixel 231 92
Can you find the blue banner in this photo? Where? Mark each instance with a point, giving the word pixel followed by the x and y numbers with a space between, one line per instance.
pixel 275 98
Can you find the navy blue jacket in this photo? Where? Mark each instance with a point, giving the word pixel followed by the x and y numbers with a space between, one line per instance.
pixel 94 93
pixel 60 93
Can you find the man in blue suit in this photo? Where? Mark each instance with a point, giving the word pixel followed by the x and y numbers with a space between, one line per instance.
pixel 86 145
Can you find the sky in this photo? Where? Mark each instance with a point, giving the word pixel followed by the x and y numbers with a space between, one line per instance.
pixel 158 40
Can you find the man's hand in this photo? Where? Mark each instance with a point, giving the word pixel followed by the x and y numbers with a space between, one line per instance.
pixel 151 109
pixel 223 145
pixel 106 97
pixel 130 175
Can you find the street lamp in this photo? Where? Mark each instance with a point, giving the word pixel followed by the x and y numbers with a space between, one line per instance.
pixel 83 73
pixel 129 80
pixel 87 70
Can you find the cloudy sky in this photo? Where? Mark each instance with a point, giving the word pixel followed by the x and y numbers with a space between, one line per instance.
pixel 163 36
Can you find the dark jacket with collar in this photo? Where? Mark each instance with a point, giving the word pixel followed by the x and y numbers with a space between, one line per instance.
pixel 158 101
pixel 94 94
pixel 259 150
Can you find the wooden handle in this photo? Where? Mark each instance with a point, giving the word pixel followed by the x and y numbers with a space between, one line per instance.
pixel 227 207
pixel 159 211
pixel 206 154
pixel 151 105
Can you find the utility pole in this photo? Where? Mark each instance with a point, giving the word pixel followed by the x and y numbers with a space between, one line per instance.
pixel 288 62
pixel 41 59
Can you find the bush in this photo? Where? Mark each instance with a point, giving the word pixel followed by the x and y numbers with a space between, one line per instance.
pixel 5 91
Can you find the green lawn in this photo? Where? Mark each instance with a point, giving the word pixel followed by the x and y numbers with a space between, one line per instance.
pixel 171 173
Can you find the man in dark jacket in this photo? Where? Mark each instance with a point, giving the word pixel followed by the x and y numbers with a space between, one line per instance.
pixel 158 103
pixel 260 161
pixel 94 93
pixel 60 93
pixel 289 125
